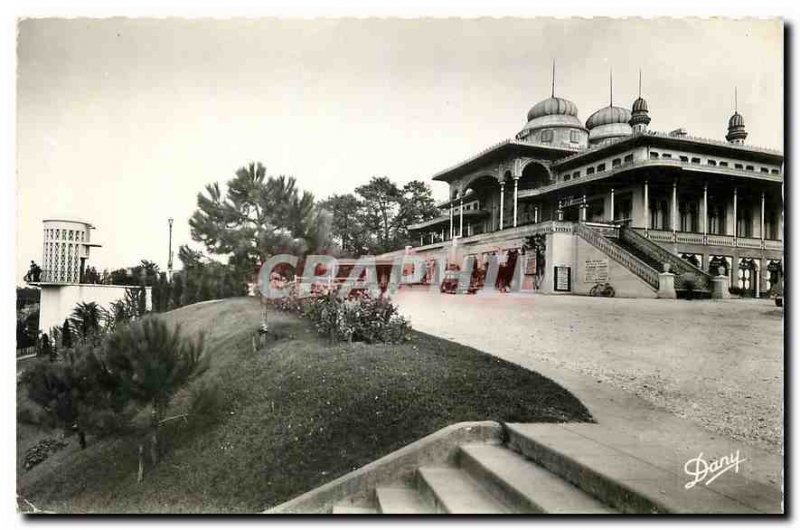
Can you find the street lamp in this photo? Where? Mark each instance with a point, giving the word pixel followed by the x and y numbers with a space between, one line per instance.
pixel 169 261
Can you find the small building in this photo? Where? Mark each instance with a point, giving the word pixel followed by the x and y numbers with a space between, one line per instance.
pixel 614 201
pixel 62 281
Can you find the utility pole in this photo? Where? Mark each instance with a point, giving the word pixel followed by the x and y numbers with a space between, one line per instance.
pixel 169 261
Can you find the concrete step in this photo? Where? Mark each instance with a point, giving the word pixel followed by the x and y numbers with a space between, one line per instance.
pixel 454 491
pixel 347 509
pixel 526 486
pixel 628 480
pixel 402 500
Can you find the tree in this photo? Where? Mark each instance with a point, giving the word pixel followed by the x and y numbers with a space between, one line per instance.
pixel 177 290
pixel 347 226
pixel 145 272
pixel 141 300
pixel 381 199
pixel 46 350
pixel 258 216
pixel 152 361
pixel 387 209
pixel 66 335
pixel 87 318
pixel 75 391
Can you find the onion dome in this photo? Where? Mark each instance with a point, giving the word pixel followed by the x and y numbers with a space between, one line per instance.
pixel 639 117
pixel 640 105
pixel 736 132
pixel 737 120
pixel 552 107
pixel 608 116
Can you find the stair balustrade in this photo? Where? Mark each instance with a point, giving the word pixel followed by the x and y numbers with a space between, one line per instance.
pixel 679 266
pixel 615 252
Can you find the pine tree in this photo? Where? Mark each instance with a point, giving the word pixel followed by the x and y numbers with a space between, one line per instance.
pixel 76 391
pixel 153 361
pixel 66 335
pixel 141 301
pixel 177 290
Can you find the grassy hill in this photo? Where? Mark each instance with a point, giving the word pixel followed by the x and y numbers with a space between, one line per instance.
pixel 293 416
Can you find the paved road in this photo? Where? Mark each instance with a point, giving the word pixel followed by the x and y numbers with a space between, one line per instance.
pixel 718 364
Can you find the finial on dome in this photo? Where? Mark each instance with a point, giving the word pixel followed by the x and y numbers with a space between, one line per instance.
pixel 736 131
pixel 640 82
pixel 640 117
pixel 553 81
pixel 610 86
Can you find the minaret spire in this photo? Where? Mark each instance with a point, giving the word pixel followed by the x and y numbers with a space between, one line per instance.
pixel 735 99
pixel 640 82
pixel 610 87
pixel 553 81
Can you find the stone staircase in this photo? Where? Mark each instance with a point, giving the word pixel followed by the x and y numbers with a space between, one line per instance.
pixel 487 479
pixel 646 259
pixel 533 468
pixel 641 246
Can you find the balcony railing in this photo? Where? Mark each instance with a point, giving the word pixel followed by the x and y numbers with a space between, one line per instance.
pixel 64 277
pixel 717 240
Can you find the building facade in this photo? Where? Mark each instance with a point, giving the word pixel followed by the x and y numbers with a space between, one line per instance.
pixel 715 204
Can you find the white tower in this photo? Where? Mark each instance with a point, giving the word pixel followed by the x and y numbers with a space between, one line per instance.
pixel 66 249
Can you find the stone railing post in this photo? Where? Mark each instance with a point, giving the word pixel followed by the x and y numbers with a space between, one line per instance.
pixel 666 284
pixel 719 285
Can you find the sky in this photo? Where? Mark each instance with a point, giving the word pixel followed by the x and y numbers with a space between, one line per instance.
pixel 122 122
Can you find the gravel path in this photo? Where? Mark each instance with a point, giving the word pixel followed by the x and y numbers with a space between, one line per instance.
pixel 717 363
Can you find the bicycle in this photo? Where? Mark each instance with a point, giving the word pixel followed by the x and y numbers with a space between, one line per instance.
pixel 602 289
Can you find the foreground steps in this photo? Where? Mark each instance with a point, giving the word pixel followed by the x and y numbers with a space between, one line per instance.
pixel 577 468
pixel 402 501
pixel 521 483
pixel 455 491
pixel 489 479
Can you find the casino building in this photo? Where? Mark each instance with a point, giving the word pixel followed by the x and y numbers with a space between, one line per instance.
pixel 613 201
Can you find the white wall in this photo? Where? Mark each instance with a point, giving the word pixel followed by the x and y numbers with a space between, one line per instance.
pixel 57 302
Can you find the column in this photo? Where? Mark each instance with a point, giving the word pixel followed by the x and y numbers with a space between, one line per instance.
pixel 761 231
pixel 612 204
pixel 451 220
pixel 536 214
pixel 560 213
pixel 461 217
pixel 582 214
pixel 674 207
pixel 705 212
pixel 502 194
pixel 646 208
pixel 516 183
pixel 735 215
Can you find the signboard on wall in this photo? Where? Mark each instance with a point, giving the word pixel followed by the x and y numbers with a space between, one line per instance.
pixel 596 271
pixel 561 281
pixel 530 264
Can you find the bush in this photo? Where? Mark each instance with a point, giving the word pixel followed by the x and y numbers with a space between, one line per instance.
pixel 41 451
pixel 358 318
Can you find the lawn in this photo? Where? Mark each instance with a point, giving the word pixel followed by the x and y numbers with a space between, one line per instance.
pixel 295 415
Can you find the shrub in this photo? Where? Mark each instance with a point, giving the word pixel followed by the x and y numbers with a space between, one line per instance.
pixel 43 449
pixel 359 318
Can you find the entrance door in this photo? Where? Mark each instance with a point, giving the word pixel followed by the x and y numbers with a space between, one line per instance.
pixel 747 277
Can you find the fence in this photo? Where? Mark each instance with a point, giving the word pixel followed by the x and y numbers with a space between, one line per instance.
pixel 25 352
